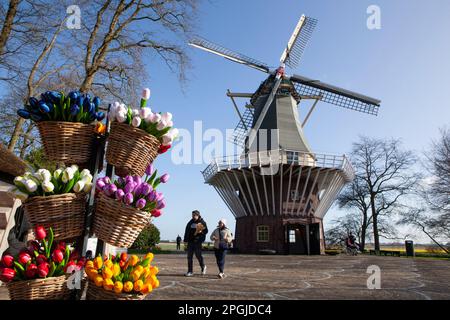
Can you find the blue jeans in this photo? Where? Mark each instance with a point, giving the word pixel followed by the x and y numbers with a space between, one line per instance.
pixel 220 258
pixel 194 247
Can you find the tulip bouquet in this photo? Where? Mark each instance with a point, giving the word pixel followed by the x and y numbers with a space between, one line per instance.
pixel 46 183
pixel 159 125
pixel 55 106
pixel 136 191
pixel 123 274
pixel 43 258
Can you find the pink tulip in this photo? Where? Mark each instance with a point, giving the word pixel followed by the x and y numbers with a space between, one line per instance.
pixel 140 203
pixel 128 199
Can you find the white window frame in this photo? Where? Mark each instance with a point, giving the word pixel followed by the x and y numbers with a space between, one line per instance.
pixel 262 229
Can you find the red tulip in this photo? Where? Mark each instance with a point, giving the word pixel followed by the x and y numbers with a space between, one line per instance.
pixel 41 259
pixel 57 256
pixel 123 256
pixel 8 260
pixel 70 265
pixel 81 262
pixel 7 274
pixel 24 257
pixel 40 233
pixel 122 263
pixel 61 246
pixel 31 271
pixel 43 269
pixel 156 213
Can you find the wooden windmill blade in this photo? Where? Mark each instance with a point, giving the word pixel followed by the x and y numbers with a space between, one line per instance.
pixel 298 41
pixel 228 54
pixel 335 95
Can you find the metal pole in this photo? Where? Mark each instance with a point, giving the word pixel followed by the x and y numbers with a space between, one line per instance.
pixel 307 239
pixel 309 112
pixel 237 109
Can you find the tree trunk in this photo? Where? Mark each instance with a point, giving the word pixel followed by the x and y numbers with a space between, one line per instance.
pixel 376 236
pixel 8 24
pixel 16 134
pixel 87 83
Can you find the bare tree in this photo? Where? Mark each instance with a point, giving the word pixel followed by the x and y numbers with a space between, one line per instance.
pixel 8 24
pixel 384 173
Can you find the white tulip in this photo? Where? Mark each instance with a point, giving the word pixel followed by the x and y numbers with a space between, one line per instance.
pixel 45 174
pixel 166 139
pixel 30 185
pixel 87 187
pixel 57 173
pixel 169 123
pixel 161 125
pixel 37 176
pixel 79 186
pixel 136 122
pixel 116 104
pixel 47 186
pixel 166 116
pixel 121 117
pixel 85 172
pixel 149 118
pixel 19 180
pixel 87 178
pixel 68 174
pixel 122 109
pixel 155 118
pixel 27 174
pixel 146 94
pixel 145 112
pixel 74 168
pixel 16 193
pixel 134 113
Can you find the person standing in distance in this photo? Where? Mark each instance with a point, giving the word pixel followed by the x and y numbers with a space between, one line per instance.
pixel 195 235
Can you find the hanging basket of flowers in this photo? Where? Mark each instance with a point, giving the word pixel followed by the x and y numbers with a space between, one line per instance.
pixel 126 206
pixel 56 199
pixel 40 272
pixel 121 278
pixel 65 124
pixel 137 136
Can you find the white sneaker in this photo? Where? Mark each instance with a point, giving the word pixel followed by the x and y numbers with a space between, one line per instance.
pixel 189 274
pixel 204 270
pixel 221 275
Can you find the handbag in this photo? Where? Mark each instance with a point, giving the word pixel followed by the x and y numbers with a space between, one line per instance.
pixel 222 244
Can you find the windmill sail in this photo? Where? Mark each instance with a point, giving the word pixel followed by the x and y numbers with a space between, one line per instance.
pixel 228 54
pixel 335 95
pixel 298 41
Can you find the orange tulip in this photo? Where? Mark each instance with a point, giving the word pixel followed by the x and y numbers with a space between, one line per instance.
pixel 98 280
pixel 108 284
pixel 128 286
pixel 147 288
pixel 98 262
pixel 134 259
pixel 138 285
pixel 118 287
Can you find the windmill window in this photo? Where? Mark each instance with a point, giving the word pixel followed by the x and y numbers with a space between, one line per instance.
pixel 262 233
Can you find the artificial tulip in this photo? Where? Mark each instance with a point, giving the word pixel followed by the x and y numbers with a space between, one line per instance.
pixel 30 185
pixel 140 203
pixel 108 284
pixel 43 269
pixel 123 256
pixel 128 198
pixel 79 186
pixel 98 280
pixel 98 263
pixel 138 285
pixel 164 178
pixel 120 194
pixel 47 186
pixel 24 258
pixel 7 274
pixel 156 213
pixel 40 233
pixel 118 287
pixel 134 259
pixel 136 122
pixel 7 260
pixel 128 286
pixel 41 259
pixel 31 271
pixel 146 94
pixel 107 273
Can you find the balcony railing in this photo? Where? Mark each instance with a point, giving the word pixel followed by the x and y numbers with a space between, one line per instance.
pixel 276 157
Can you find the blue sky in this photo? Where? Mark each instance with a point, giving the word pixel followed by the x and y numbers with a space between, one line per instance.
pixel 405 64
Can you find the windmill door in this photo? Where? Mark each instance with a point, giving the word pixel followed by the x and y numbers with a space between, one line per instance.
pixel 314 238
pixel 297 239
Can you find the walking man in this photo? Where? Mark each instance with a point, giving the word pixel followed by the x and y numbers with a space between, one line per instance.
pixel 178 242
pixel 195 235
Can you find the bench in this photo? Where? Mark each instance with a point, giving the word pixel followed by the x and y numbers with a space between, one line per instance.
pixel 386 253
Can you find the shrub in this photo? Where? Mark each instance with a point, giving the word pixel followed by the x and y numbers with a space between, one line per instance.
pixel 147 239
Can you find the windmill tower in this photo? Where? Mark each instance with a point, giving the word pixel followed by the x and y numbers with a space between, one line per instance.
pixel 278 189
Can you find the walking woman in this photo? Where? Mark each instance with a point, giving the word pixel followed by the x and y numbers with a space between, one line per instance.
pixel 222 238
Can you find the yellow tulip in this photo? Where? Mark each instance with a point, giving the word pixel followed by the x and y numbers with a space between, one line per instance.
pixel 128 286
pixel 108 284
pixel 136 275
pixel 89 264
pixel 154 270
pixel 116 269
pixel 149 256
pixel 156 284
pixel 147 288
pixel 92 274
pixel 108 264
pixel 118 287
pixel 134 259
pixel 147 272
pixel 107 273
pixel 98 281
pixel 138 285
pixel 98 262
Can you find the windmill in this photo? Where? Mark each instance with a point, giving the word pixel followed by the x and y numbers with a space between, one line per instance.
pixel 278 189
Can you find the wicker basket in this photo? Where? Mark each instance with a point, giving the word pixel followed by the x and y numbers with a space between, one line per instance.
pixel 64 213
pixel 54 288
pixel 67 142
pixel 99 293
pixel 130 149
pixel 118 224
pixel 10 163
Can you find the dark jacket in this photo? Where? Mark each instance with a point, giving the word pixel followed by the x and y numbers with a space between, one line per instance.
pixel 190 231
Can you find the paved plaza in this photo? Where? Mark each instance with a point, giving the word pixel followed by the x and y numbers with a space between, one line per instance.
pixel 301 277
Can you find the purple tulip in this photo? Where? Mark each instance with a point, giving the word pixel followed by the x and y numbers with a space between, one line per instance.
pixel 146 189
pixel 100 184
pixel 159 196
pixel 149 170
pixel 110 189
pixel 164 178
pixel 129 179
pixel 152 196
pixel 129 187
pixel 128 199
pixel 107 180
pixel 119 194
pixel 120 181
pixel 141 203
pixel 161 204
pixel 137 180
